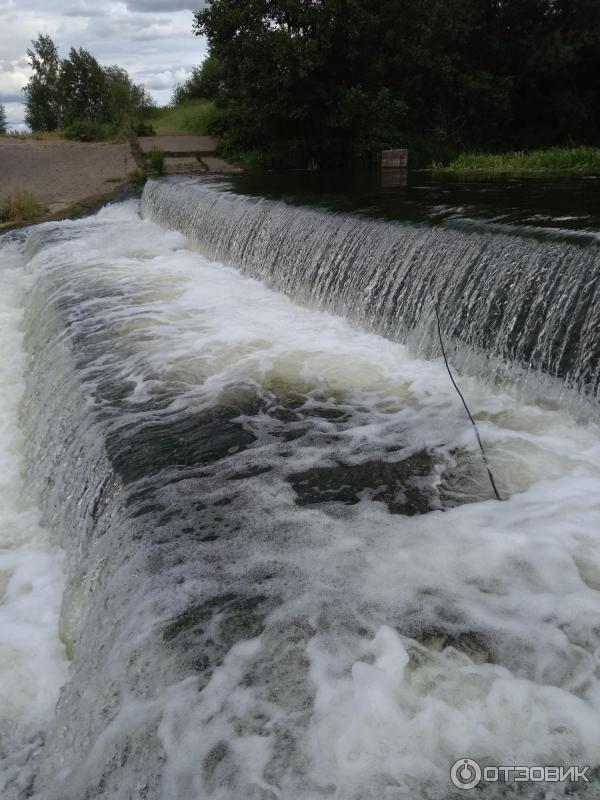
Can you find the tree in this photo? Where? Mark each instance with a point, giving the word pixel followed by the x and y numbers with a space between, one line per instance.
pixel 3 123
pixel 334 80
pixel 301 77
pixel 80 93
pixel 124 99
pixel 203 83
pixel 42 103
pixel 84 88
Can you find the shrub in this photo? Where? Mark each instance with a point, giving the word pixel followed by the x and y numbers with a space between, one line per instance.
pixel 143 128
pixel 154 163
pixel 20 206
pixel 87 130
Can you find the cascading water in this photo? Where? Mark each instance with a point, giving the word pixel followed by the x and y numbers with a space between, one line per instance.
pixel 285 574
pixel 32 659
pixel 533 304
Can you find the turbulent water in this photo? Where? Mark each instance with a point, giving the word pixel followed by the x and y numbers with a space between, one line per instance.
pixel 284 572
pixel 32 660
pixel 530 304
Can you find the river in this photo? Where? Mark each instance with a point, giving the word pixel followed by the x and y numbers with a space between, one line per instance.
pixel 249 546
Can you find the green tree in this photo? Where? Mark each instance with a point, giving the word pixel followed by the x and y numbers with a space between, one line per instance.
pixel 203 83
pixel 333 80
pixel 42 101
pixel 3 123
pixel 81 94
pixel 300 78
pixel 84 88
pixel 125 101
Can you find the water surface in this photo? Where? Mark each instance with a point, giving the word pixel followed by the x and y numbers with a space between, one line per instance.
pixel 285 575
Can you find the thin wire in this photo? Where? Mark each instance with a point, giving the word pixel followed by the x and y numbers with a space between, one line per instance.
pixel 473 423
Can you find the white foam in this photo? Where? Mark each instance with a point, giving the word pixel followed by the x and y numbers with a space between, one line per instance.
pixel 472 632
pixel 32 661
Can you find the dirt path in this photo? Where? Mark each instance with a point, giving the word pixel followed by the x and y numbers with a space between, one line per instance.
pixel 63 174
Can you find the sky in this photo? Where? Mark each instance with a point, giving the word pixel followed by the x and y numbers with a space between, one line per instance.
pixel 151 39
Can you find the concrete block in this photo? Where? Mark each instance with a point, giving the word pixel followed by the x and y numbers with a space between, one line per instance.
pixel 394 158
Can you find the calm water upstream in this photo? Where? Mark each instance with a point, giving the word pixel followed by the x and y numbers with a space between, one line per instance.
pixel 248 550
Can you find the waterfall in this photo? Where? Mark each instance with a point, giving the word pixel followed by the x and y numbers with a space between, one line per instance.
pixel 522 302
pixel 284 572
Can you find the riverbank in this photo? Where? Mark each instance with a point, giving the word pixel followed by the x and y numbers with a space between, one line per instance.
pixel 46 177
pixel 62 177
pixel 574 160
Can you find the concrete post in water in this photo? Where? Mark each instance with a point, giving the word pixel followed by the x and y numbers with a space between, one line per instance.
pixel 394 158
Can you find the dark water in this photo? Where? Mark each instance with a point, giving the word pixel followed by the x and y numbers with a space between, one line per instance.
pixel 548 204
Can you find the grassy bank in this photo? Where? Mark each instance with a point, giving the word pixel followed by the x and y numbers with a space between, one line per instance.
pixel 553 159
pixel 194 116
pixel 19 207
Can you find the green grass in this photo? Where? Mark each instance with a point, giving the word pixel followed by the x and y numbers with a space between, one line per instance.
pixel 152 165
pixel 195 116
pixel 20 206
pixel 553 159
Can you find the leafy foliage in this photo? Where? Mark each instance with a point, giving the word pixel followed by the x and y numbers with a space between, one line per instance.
pixel 42 105
pixel 3 124
pixel 152 166
pixel 335 80
pixel 154 163
pixel 87 130
pixel 198 117
pixel 77 93
pixel 203 83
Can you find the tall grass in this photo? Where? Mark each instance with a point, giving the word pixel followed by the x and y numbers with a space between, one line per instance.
pixel 195 116
pixel 152 165
pixel 20 206
pixel 552 159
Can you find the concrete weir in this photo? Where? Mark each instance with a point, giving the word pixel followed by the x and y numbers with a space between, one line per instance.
pixel 187 154
pixel 394 159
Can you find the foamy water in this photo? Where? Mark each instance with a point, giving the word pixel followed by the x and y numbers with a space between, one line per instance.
pixel 286 575
pixel 32 661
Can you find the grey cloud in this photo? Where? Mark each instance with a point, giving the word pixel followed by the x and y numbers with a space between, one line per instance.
pixel 151 35
pixel 14 66
pixel 15 114
pixel 131 33
pixel 84 10
pixel 164 5
pixel 13 76
pixel 128 28
pixel 166 79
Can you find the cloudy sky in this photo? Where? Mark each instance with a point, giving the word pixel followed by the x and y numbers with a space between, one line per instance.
pixel 151 39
